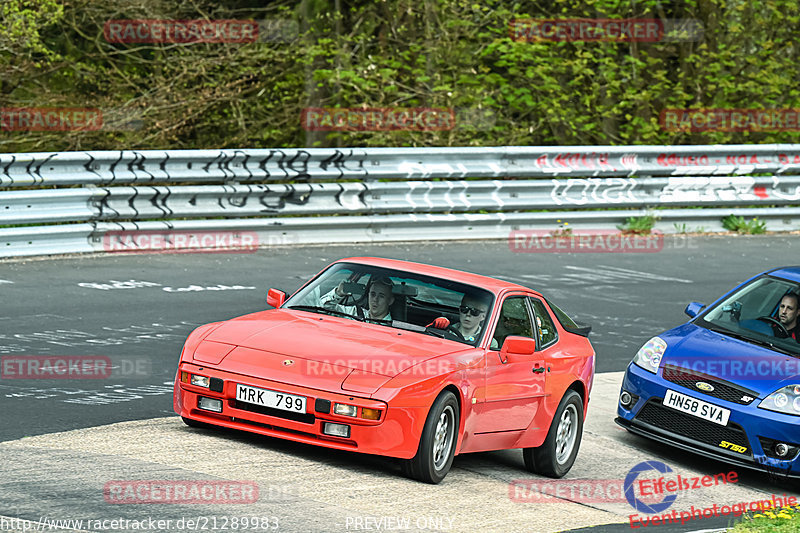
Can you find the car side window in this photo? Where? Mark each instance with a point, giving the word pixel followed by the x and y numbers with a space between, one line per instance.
pixel 545 327
pixel 514 320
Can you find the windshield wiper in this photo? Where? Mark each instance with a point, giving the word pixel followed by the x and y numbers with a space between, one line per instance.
pixel 316 308
pixel 760 342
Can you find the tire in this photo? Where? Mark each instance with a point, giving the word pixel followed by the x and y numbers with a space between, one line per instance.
pixel 556 455
pixel 437 445
pixel 195 424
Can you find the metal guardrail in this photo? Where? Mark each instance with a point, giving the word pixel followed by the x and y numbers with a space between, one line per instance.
pixel 152 166
pixel 303 195
pixel 161 202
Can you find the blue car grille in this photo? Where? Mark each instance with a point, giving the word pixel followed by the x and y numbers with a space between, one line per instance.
pixel 655 414
pixel 722 390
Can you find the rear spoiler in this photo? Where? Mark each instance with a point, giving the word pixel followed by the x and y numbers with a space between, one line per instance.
pixel 582 329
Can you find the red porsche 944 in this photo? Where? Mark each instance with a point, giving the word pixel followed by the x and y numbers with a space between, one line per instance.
pixel 399 359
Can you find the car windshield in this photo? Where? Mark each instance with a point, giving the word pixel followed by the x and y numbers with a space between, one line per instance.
pixel 763 312
pixel 395 298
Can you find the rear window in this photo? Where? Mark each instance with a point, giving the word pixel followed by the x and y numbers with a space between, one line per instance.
pixel 566 321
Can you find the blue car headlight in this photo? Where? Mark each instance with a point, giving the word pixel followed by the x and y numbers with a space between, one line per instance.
pixel 785 400
pixel 649 356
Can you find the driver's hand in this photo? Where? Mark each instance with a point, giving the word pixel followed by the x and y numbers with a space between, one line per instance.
pixel 340 290
pixel 439 323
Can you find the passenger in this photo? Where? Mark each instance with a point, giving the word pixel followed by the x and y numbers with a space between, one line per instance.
pixel 513 321
pixel 787 314
pixel 379 299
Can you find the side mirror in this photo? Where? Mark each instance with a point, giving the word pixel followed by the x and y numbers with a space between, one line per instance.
pixel 693 309
pixel 516 348
pixel 275 297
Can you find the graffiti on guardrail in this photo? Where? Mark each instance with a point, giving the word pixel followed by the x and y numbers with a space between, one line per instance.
pixel 483 192
pixel 304 165
pixel 152 203
pixel 100 168
pixel 168 202
pixel 663 163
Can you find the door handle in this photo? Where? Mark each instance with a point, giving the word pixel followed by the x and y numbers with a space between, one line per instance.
pixel 538 370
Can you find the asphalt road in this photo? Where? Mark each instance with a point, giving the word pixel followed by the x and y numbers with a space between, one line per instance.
pixel 85 476
pixel 135 311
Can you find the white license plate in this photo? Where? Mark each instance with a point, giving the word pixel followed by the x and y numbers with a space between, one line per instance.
pixel 271 398
pixel 698 408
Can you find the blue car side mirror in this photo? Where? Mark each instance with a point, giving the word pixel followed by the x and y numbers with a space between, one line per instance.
pixel 693 309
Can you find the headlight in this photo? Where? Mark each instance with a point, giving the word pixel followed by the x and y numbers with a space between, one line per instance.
pixel 344 409
pixel 200 381
pixel 649 356
pixel 785 400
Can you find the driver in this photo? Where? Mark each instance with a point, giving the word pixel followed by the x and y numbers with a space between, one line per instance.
pixel 379 299
pixel 787 314
pixel 472 314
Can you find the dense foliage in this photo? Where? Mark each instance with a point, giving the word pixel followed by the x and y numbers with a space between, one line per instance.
pixel 392 53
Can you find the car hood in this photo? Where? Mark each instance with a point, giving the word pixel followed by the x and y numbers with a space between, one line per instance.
pixel 326 352
pixel 713 354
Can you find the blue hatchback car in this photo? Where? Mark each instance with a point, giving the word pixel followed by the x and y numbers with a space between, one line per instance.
pixel 726 384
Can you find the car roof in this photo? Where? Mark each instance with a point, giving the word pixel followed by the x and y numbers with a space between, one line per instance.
pixel 491 284
pixel 789 272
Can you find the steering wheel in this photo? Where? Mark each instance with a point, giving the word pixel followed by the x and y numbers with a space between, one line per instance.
pixel 783 332
pixel 349 299
pixel 354 293
pixel 454 330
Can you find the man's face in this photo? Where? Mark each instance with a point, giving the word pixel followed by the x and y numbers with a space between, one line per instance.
pixel 787 312
pixel 467 312
pixel 380 298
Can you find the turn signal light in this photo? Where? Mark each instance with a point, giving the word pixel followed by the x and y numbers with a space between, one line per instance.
pixel 370 414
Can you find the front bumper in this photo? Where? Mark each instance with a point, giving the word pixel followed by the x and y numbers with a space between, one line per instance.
pixel 392 435
pixel 748 426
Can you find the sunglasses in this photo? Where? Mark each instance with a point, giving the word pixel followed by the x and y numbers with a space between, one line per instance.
pixel 471 310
